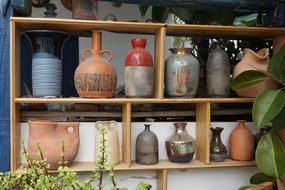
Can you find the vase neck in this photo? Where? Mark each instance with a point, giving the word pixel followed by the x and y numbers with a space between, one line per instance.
pixel 180 127
pixel 97 43
pixel 241 123
pixel 217 133
pixel 180 50
pixel 258 60
pixel 147 127
pixel 138 43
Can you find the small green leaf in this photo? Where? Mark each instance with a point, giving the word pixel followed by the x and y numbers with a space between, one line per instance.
pixel 277 65
pixel 260 178
pixel 278 122
pixel 266 106
pixel 270 155
pixel 160 14
pixel 247 79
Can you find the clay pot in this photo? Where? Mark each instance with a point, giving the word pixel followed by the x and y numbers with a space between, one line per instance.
pixel 95 77
pixel 50 136
pixel 254 61
pixel 139 74
pixel 241 143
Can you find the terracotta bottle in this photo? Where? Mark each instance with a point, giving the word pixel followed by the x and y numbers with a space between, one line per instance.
pixel 254 61
pixel 111 143
pixel 139 74
pixel 50 135
pixel 95 77
pixel 241 143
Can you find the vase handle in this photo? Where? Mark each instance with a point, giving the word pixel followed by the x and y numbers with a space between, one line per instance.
pixel 110 54
pixel 85 54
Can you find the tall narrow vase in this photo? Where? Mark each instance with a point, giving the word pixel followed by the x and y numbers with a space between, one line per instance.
pixel 95 77
pixel 139 72
pixel 180 146
pixel 147 147
pixel 46 62
pixel 218 151
pixel 111 143
pixel 181 73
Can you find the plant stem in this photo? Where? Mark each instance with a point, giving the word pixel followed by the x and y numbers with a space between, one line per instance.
pixel 42 158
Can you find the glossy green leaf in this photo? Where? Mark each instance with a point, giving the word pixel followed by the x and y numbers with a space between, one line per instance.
pixel 278 122
pixel 247 79
pixel 270 155
pixel 266 107
pixel 260 178
pixel 160 14
pixel 277 65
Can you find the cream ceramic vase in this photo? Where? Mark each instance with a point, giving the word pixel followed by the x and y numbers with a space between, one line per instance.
pixel 49 136
pixel 254 61
pixel 111 143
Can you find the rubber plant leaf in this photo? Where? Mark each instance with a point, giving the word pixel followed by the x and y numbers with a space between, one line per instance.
pixel 266 107
pixel 260 178
pixel 160 14
pixel 247 79
pixel 254 187
pixel 270 154
pixel 278 122
pixel 277 65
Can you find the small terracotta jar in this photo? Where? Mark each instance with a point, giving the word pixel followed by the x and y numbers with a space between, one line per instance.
pixel 241 143
pixel 254 61
pixel 95 77
pixel 139 74
pixel 50 136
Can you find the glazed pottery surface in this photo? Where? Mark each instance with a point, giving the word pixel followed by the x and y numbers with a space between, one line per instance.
pixel 95 77
pixel 254 61
pixel 85 9
pixel 139 72
pixel 50 136
pixel 181 73
pixel 111 143
pixel 147 147
pixel 241 143
pixel 46 61
pixel 218 73
pixel 218 151
pixel 180 146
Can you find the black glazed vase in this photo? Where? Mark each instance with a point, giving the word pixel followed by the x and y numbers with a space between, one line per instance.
pixel 147 147
pixel 218 151
pixel 180 146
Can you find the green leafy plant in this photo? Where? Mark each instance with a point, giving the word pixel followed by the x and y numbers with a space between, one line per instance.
pixel 35 175
pixel 268 107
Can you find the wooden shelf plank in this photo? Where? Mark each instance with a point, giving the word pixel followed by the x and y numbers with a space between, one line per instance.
pixel 164 165
pixel 132 100
pixel 74 25
pixel 222 31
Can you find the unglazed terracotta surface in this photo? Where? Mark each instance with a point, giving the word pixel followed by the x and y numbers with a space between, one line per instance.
pixel 95 77
pixel 254 61
pixel 50 136
pixel 241 143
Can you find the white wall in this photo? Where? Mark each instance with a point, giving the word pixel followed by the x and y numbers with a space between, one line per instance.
pixel 199 179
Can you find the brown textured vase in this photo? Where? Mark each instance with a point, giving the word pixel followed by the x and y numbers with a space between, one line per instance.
pixel 95 77
pixel 50 136
pixel 241 143
pixel 254 61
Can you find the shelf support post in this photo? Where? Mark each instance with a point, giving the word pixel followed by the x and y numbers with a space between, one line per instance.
pixel 126 123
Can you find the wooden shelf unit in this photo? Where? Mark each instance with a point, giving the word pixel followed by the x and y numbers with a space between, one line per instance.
pixel 159 31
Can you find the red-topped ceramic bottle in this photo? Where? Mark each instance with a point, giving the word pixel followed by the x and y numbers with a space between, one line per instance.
pixel 139 72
